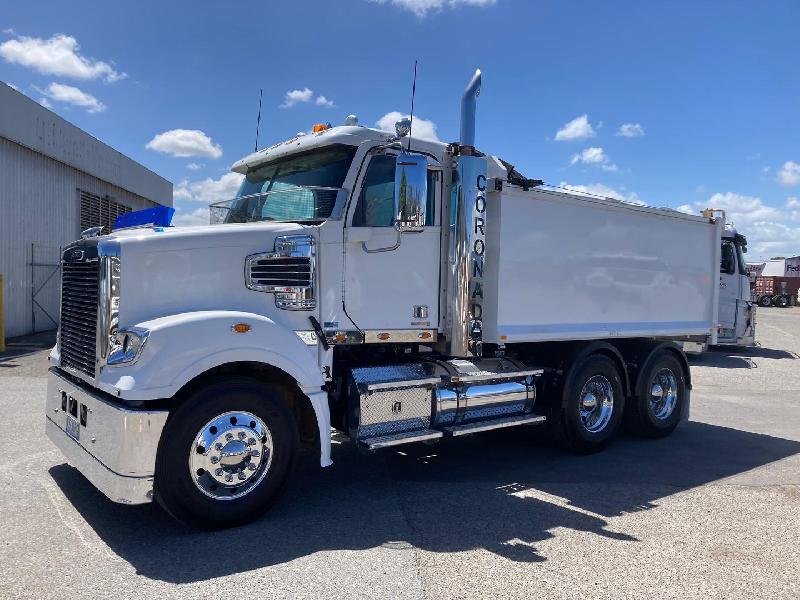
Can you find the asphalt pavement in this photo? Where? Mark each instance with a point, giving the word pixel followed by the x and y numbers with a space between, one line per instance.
pixel 713 511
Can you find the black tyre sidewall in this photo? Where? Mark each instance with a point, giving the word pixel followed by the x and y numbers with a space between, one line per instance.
pixel 174 488
pixel 572 432
pixel 782 301
pixel 765 301
pixel 646 423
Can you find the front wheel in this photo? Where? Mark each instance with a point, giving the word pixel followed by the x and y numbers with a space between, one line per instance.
pixel 591 407
pixel 765 301
pixel 225 454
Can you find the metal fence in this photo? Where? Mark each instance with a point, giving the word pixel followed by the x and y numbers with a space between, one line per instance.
pixel 45 291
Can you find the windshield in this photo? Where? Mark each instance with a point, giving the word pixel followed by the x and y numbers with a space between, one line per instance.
pixel 299 187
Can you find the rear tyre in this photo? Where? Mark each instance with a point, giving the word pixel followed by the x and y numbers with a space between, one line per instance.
pixel 592 405
pixel 782 301
pixel 765 301
pixel 656 409
pixel 225 454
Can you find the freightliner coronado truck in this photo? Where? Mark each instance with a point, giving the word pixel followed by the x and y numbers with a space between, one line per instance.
pixel 395 289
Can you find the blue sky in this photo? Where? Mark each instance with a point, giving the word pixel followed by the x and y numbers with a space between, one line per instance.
pixel 708 91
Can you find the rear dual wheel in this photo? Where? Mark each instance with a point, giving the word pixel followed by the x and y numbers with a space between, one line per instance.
pixel 660 397
pixel 591 407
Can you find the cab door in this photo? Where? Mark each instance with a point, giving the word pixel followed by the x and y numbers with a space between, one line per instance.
pixel 729 290
pixel 391 279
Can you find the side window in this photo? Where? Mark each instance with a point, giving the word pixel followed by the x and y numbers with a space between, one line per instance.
pixel 728 260
pixel 434 177
pixel 375 206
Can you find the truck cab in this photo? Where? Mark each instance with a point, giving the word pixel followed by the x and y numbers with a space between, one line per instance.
pixel 736 307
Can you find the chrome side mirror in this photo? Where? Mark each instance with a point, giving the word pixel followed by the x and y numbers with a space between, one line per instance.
pixel 410 192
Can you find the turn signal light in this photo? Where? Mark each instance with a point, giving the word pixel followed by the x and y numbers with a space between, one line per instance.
pixel 240 328
pixel 383 336
pixel 425 335
pixel 320 127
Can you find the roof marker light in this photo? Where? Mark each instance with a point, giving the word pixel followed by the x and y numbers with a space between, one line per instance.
pixel 318 127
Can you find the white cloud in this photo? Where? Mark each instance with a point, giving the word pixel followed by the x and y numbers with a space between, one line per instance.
pixel 68 94
pixel 11 85
pixel 295 96
pixel 209 190
pixel 58 55
pixel 44 102
pixel 769 229
pixel 599 189
pixel 422 7
pixel 577 129
pixel 193 166
pixel 631 130
pixel 184 143
pixel 421 129
pixel 790 173
pixel 304 96
pixel 184 218
pixel 594 156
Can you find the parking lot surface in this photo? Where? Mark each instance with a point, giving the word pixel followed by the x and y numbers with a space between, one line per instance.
pixel 711 512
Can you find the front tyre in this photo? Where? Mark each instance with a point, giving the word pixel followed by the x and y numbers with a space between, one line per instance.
pixel 225 454
pixel 660 397
pixel 765 301
pixel 592 406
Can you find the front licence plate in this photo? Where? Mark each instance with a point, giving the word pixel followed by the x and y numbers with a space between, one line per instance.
pixel 73 429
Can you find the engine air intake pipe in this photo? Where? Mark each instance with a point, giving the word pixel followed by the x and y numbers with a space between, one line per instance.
pixel 468 102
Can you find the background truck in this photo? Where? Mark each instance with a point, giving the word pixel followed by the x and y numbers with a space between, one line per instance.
pixel 776 291
pixel 396 289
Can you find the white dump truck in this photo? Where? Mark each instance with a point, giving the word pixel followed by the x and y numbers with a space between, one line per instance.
pixel 396 289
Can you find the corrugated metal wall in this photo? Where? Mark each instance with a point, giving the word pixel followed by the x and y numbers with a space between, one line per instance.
pixel 39 206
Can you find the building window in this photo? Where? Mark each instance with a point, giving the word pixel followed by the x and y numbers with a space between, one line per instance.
pixel 96 211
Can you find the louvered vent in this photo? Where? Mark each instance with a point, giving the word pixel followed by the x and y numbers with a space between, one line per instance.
pixel 281 272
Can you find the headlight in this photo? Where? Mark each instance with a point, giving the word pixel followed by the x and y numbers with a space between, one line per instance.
pixel 126 345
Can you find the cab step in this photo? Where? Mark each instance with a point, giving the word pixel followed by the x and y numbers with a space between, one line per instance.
pixel 466 428
pixel 407 437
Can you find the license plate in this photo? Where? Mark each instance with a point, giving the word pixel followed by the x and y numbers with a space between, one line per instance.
pixel 73 429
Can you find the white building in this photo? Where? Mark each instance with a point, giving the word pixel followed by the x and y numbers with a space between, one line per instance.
pixel 55 181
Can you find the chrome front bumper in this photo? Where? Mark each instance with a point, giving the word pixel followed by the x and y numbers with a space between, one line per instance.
pixel 116 446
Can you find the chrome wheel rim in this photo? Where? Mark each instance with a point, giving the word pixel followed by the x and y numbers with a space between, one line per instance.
pixel 663 394
pixel 230 455
pixel 596 403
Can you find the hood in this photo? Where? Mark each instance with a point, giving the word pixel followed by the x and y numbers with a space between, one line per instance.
pixel 175 270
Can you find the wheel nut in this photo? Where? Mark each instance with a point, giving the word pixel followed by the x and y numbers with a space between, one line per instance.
pixel 228 478
pixel 229 436
pixel 251 467
pixel 215 459
pixel 251 441
pixel 255 453
pixel 218 446
pixel 242 476
pixel 218 472
pixel 242 435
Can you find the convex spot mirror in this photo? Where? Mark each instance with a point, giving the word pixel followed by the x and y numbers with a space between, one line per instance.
pixel 410 192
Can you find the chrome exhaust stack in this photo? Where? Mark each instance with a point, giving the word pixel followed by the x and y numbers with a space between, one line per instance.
pixel 467 238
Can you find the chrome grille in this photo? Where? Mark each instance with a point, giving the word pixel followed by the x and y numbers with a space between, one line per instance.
pixel 79 300
pixel 288 271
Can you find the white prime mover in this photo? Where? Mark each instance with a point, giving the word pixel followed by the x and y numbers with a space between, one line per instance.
pixel 396 289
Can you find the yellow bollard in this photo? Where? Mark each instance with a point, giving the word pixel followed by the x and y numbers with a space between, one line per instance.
pixel 2 318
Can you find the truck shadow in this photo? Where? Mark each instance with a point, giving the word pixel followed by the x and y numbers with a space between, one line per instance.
pixel 738 357
pixel 502 491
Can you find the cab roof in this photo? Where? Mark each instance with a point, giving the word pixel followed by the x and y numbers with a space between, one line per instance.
pixel 351 135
